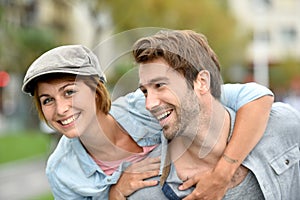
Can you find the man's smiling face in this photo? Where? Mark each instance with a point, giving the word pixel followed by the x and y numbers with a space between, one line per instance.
pixel 168 97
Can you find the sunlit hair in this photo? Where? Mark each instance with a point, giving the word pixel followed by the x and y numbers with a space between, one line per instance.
pixel 185 51
pixel 102 100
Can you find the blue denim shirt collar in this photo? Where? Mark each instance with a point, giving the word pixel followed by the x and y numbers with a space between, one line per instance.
pixel 89 167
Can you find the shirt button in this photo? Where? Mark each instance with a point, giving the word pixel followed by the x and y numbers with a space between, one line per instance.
pixel 287 162
pixel 108 180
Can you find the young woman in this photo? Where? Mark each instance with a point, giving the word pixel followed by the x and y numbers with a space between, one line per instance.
pixel 101 140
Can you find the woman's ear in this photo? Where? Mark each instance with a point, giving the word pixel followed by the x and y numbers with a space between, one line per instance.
pixel 202 82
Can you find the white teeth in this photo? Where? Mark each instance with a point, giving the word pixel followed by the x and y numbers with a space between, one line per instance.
pixel 68 121
pixel 160 117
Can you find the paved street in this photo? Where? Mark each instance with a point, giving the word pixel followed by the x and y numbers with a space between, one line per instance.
pixel 23 180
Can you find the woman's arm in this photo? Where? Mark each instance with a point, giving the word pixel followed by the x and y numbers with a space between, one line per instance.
pixel 251 122
pixel 253 104
pixel 254 107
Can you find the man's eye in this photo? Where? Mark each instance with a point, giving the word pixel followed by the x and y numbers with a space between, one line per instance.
pixel 144 91
pixel 158 85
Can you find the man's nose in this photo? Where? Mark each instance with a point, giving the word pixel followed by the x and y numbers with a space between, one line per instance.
pixel 152 100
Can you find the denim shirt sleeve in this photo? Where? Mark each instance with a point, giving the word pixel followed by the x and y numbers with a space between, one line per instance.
pixel 84 190
pixel 72 173
pixel 235 96
pixel 131 114
pixel 61 192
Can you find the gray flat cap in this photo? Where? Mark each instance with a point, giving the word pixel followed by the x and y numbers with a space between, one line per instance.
pixel 70 59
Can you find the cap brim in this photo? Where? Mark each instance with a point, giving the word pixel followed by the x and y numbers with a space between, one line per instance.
pixel 29 89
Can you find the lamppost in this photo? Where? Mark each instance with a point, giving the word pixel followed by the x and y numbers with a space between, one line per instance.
pixel 261 42
pixel 260 59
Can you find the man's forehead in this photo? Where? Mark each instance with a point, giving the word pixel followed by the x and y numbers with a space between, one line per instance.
pixel 157 70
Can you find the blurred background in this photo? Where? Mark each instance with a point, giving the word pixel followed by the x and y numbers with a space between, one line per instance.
pixel 256 40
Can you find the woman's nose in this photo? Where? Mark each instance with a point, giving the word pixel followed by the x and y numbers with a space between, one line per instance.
pixel 62 106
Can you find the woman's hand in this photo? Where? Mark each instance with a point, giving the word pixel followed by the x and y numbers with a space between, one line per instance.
pixel 210 185
pixel 133 178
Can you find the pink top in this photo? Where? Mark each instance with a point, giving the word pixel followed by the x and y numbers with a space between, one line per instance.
pixel 109 167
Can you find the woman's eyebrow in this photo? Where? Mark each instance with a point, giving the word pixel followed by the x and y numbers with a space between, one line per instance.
pixel 43 95
pixel 66 85
pixel 60 89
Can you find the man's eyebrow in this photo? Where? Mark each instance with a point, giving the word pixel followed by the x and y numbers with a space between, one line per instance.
pixel 153 81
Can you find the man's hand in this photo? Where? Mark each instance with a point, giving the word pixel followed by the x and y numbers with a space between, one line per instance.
pixel 133 178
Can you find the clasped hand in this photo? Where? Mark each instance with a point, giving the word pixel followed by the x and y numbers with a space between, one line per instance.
pixel 208 185
pixel 135 177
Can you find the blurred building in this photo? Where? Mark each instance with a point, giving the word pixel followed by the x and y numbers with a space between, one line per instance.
pixel 76 21
pixel 275 25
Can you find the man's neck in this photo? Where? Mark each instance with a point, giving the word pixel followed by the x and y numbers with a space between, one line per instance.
pixel 201 153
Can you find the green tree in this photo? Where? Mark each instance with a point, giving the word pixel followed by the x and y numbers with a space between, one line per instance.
pixel 282 73
pixel 21 43
pixel 210 17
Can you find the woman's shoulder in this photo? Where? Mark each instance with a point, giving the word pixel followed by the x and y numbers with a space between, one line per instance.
pixel 60 152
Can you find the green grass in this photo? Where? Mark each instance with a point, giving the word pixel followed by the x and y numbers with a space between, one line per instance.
pixel 21 145
pixel 43 197
pixel 25 144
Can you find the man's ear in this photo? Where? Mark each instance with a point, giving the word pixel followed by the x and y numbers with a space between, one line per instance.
pixel 202 82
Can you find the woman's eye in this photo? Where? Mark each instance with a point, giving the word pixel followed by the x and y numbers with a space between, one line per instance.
pixel 47 101
pixel 70 92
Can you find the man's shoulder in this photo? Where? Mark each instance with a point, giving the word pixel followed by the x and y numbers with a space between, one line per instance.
pixel 281 106
pixel 282 130
pixel 283 115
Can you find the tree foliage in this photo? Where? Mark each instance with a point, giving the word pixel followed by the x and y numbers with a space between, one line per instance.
pixel 21 43
pixel 20 46
pixel 209 17
pixel 282 73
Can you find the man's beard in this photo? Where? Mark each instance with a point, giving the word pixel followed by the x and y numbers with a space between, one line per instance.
pixel 188 117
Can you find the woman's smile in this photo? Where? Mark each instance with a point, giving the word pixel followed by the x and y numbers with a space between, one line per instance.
pixel 66 101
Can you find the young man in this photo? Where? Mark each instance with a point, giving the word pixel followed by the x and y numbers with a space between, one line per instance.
pixel 180 78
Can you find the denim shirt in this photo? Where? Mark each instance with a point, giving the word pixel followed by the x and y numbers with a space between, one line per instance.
pixel 73 174
pixel 275 161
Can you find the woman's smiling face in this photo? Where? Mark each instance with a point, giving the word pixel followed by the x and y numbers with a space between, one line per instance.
pixel 68 105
